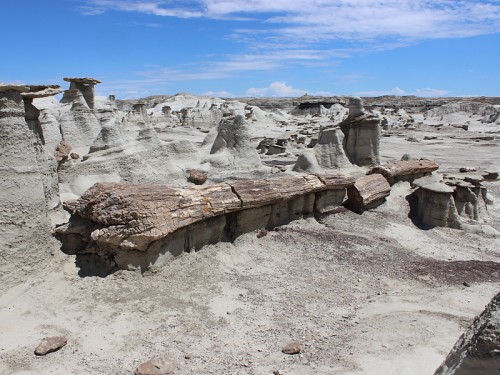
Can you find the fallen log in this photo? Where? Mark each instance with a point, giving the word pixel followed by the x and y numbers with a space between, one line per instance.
pixel 132 216
pixel 368 192
pixel 405 170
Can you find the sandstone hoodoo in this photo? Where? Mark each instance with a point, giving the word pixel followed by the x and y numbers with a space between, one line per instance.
pixel 86 87
pixel 362 135
pixel 453 201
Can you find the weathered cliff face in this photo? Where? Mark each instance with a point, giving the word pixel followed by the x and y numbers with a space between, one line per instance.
pixel 27 189
pixel 78 123
pixel 136 226
pixel 477 351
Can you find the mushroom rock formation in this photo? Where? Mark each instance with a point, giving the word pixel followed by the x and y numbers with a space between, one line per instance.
pixel 469 196
pixel 452 201
pixel 140 112
pixel 361 135
pixel 232 146
pixel 436 206
pixel 47 168
pixel 25 171
pixel 477 351
pixel 85 86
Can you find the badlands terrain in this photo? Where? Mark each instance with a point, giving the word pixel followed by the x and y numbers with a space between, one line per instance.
pixel 247 235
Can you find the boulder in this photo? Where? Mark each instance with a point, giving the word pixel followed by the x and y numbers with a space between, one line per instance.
pixel 50 345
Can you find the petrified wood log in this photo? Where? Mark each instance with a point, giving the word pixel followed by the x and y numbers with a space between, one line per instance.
pixel 132 216
pixel 368 192
pixel 405 170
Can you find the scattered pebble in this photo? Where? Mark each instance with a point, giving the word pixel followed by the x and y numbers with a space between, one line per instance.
pixel 293 347
pixel 50 344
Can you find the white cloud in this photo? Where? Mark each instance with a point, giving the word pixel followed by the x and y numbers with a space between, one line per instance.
pixel 424 92
pixel 218 94
pixel 332 19
pixel 282 89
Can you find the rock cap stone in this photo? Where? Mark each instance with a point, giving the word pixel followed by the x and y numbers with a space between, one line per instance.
pixel 82 80
pixel 13 87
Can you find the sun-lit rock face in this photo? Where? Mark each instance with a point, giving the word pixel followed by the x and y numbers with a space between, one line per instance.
pixel 477 351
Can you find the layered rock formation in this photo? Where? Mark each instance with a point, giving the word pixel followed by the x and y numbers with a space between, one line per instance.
pixel 477 351
pixel 28 187
pixel 130 226
pixel 361 135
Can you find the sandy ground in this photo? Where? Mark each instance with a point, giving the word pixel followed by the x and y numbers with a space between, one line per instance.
pixel 363 294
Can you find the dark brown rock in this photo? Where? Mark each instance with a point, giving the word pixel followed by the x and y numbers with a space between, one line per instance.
pixel 50 344
pixel 196 176
pixel 293 347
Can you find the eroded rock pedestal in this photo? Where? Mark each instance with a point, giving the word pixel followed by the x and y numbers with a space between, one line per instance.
pixel 28 183
pixel 452 201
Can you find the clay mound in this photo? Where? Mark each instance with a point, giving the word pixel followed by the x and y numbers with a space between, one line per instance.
pixel 232 146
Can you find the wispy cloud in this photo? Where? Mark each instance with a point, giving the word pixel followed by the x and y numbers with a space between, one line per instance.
pixel 316 20
pixel 282 89
pixel 397 91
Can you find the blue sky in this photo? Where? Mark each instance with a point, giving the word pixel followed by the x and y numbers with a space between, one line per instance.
pixel 256 47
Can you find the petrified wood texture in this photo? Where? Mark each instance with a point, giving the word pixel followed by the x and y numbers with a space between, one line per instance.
pixel 119 216
pixel 368 192
pixel 405 170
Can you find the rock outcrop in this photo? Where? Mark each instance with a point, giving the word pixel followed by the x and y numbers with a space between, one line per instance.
pixel 452 201
pixel 329 150
pixel 361 135
pixel 28 187
pixel 232 147
pixel 135 226
pixel 477 351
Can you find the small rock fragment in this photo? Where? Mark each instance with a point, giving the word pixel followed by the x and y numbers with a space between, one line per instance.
pixel 293 347
pixel 50 344
pixel 466 284
pixel 467 169
pixel 163 365
pixel 197 177
pixel 74 156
